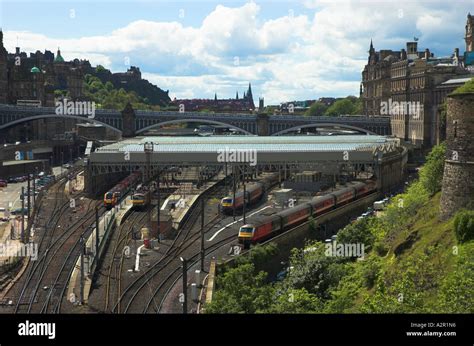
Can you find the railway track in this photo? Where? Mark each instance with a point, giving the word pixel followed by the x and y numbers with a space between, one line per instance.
pixel 57 255
pixel 114 272
pixel 164 289
pixel 44 242
pixel 71 241
pixel 185 238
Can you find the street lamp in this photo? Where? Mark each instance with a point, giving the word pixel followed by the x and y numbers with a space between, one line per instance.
pixel 185 285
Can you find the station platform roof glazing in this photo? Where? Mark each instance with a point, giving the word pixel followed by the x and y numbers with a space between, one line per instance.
pixel 269 148
pixel 212 144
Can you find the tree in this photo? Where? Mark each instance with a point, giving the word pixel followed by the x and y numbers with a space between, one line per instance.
pixel 316 109
pixel 314 271
pixel 241 290
pixel 431 174
pixel 357 232
pixel 100 68
pixel 296 301
pixel 341 107
pixel 464 225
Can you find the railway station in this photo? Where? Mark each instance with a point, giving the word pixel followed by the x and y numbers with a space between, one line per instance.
pixel 383 156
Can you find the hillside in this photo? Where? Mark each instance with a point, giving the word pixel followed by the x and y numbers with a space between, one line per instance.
pixel 131 82
pixel 413 263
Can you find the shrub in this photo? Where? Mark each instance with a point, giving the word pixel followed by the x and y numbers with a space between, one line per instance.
pixel 464 225
pixel 431 174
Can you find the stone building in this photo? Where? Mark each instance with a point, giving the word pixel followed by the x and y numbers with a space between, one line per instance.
pixel 243 104
pixel 458 178
pixel 36 77
pixel 402 84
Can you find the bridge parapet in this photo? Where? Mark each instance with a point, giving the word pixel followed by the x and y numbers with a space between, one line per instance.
pixel 252 123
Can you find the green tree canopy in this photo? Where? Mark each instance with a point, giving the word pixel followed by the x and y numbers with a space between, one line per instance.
pixel 316 109
pixel 341 107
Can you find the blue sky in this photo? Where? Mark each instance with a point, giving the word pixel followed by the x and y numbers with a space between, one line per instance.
pixel 287 49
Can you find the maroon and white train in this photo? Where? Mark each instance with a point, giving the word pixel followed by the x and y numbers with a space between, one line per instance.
pixel 265 227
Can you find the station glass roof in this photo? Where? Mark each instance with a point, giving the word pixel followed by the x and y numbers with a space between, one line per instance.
pixel 212 144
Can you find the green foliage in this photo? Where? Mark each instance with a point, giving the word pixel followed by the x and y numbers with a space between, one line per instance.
pixel 456 293
pixel 346 106
pixel 258 255
pixel 403 288
pixel 341 107
pixel 466 88
pixel 241 290
pixel 316 109
pixel 314 271
pixel 464 225
pixel 296 301
pixel 402 209
pixel 100 68
pixel 357 232
pixel 105 96
pixel 370 270
pixel 343 297
pixel 431 174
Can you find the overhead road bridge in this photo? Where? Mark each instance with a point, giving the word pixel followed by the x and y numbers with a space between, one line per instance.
pixel 329 154
pixel 130 122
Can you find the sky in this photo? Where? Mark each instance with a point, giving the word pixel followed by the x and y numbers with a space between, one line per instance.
pixel 288 50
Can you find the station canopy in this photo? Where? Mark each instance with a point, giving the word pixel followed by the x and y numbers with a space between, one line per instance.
pixel 268 149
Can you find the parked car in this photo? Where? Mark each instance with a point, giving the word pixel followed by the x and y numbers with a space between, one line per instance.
pixel 3 183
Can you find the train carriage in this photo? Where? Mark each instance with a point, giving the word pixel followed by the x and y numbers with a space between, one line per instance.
pixel 265 227
pixel 321 204
pixel 294 216
pixel 344 195
pixel 253 192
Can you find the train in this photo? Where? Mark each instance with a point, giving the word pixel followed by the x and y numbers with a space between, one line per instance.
pixel 253 194
pixel 265 227
pixel 141 197
pixel 115 194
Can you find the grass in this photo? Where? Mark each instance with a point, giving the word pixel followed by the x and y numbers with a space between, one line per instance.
pixel 426 239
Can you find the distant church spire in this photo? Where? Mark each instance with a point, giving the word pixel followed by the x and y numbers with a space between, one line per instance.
pixel 237 95
pixel 215 97
pixel 250 97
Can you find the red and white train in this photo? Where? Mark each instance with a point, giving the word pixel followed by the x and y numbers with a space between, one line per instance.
pixel 253 194
pixel 115 194
pixel 265 227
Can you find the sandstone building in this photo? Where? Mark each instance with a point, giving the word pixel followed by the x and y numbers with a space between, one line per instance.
pixel 407 81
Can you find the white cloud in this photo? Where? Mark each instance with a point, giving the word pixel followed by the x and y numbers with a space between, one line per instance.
pixel 320 52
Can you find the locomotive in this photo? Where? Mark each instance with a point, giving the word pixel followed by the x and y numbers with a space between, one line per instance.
pixel 115 194
pixel 253 194
pixel 141 197
pixel 265 227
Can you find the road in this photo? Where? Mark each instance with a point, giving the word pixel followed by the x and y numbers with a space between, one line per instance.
pixel 10 195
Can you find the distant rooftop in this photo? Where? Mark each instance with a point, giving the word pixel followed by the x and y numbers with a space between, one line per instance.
pixel 458 80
